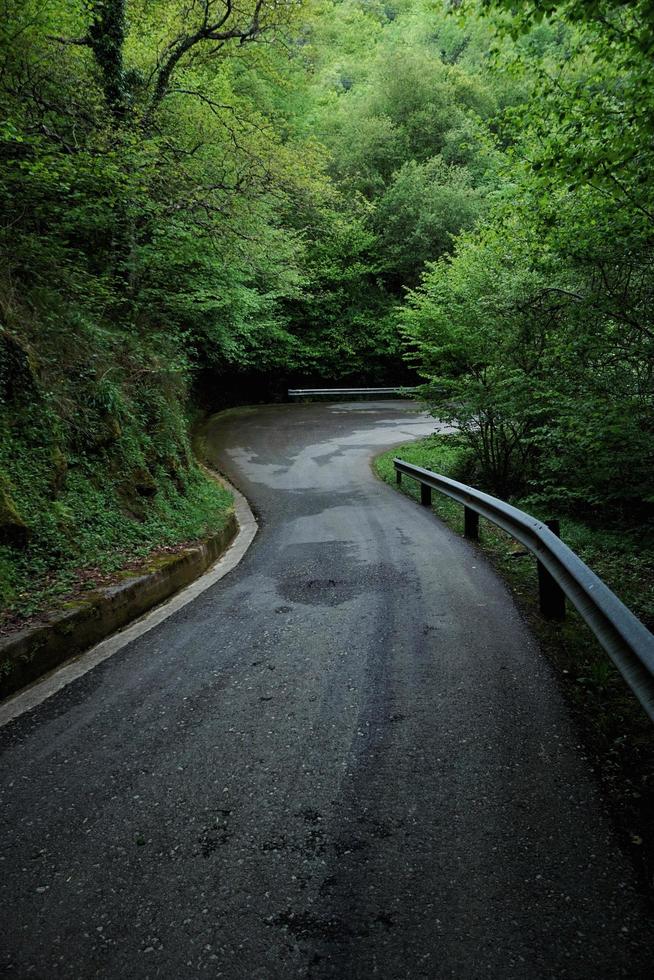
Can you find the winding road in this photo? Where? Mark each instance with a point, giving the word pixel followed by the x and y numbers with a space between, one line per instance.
pixel 347 759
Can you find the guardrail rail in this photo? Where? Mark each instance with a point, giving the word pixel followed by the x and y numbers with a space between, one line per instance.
pixel 561 574
pixel 310 392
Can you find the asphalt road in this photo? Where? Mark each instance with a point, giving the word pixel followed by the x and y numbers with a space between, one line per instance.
pixel 348 759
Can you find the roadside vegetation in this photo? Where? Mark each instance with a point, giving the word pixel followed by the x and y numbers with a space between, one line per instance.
pixel 536 332
pixel 199 201
pixel 202 203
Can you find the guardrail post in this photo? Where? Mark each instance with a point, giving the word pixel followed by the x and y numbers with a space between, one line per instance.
pixel 550 593
pixel 425 495
pixel 398 477
pixel 470 523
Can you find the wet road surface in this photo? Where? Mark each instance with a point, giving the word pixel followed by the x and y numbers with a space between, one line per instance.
pixel 346 760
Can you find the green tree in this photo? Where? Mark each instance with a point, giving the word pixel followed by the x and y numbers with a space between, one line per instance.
pixel 573 222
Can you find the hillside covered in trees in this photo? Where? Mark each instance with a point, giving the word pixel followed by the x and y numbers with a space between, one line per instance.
pixel 202 202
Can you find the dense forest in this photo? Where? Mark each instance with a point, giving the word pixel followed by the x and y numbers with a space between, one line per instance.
pixel 204 201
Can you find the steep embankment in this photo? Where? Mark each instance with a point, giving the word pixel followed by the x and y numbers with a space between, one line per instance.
pixel 96 469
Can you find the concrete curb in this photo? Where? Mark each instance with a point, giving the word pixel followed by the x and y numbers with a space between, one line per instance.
pixel 26 655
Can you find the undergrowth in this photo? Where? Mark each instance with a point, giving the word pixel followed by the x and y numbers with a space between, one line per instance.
pixel 96 468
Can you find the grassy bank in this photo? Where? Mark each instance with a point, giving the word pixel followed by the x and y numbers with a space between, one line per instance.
pixel 616 731
pixel 90 485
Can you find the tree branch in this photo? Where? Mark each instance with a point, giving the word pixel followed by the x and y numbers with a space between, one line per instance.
pixel 210 30
pixel 611 314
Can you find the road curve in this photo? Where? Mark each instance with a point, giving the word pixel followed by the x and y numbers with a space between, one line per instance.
pixel 346 760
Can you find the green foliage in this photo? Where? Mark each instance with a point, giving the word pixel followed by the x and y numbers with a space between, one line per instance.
pixel 419 214
pixel 95 471
pixel 402 102
pixel 286 192
pixel 447 455
pixel 537 335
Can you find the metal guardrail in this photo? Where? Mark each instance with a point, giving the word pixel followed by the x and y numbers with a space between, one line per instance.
pixel 561 574
pixel 308 392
